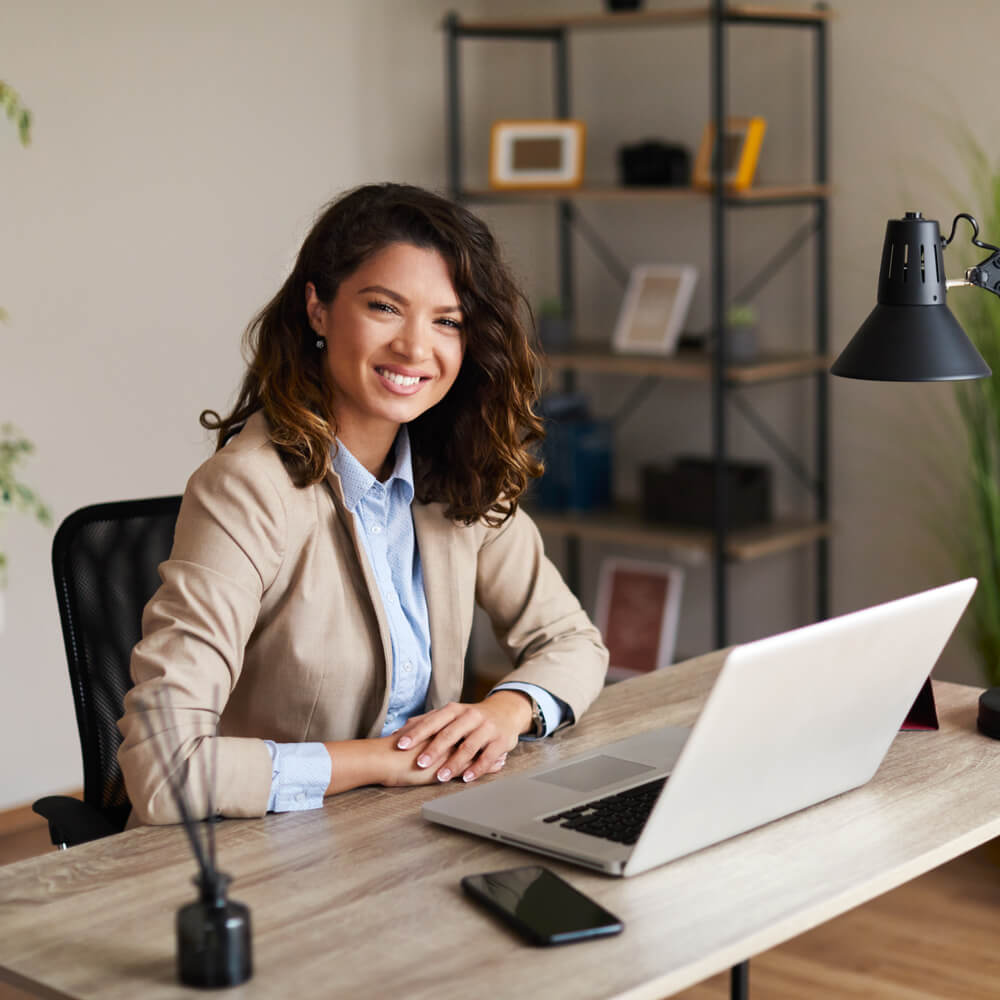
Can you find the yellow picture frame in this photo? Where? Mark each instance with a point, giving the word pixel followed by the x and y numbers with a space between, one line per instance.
pixel 742 139
pixel 537 154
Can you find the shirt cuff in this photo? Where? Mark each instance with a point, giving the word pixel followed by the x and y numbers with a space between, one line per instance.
pixel 300 775
pixel 555 712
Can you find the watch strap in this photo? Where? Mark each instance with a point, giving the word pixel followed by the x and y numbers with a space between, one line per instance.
pixel 537 719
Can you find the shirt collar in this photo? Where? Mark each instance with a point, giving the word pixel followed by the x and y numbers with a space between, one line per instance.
pixel 356 481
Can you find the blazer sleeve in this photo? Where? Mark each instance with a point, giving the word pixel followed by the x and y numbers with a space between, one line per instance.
pixel 536 618
pixel 228 545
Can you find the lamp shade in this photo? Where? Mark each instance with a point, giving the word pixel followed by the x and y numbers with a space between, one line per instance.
pixel 911 335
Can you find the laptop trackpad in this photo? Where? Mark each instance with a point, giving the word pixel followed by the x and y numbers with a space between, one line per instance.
pixel 593 773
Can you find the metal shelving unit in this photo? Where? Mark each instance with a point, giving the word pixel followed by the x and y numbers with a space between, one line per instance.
pixel 720 546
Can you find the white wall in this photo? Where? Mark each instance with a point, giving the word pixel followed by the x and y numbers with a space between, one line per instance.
pixel 181 151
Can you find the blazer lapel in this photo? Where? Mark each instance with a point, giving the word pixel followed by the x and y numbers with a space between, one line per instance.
pixel 350 527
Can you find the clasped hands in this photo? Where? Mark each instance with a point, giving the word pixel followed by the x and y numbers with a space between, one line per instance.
pixel 461 740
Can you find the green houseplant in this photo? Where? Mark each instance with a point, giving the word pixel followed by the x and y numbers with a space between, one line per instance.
pixel 15 495
pixel 978 404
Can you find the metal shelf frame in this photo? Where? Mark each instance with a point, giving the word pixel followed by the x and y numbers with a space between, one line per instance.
pixel 719 16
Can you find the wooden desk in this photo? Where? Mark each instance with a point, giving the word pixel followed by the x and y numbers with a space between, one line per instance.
pixel 361 898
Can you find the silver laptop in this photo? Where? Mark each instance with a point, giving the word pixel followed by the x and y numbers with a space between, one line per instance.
pixel 791 720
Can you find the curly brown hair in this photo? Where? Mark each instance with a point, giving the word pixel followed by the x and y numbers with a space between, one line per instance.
pixel 473 450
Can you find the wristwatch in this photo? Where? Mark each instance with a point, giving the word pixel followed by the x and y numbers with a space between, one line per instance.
pixel 537 720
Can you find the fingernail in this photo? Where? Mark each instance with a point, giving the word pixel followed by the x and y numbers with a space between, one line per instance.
pixel 423 761
pixel 469 776
pixel 444 774
pixel 404 743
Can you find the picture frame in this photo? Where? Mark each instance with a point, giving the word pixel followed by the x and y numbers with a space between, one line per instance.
pixel 655 307
pixel 637 611
pixel 741 142
pixel 537 153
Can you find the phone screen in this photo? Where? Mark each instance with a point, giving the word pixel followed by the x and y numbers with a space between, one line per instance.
pixel 539 904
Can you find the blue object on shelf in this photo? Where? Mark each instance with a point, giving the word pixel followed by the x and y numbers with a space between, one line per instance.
pixel 577 457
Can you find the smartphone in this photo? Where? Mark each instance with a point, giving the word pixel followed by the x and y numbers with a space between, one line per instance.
pixel 542 907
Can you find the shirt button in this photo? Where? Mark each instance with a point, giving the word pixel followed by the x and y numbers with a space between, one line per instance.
pixel 376 529
pixel 301 797
pixel 407 666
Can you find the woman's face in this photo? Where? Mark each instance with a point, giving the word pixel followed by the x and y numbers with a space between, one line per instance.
pixel 394 345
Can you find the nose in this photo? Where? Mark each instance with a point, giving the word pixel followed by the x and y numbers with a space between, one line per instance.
pixel 411 341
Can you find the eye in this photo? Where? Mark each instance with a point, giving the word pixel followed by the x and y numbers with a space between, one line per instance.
pixel 377 305
pixel 454 324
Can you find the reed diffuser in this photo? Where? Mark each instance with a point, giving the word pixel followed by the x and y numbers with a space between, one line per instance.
pixel 213 931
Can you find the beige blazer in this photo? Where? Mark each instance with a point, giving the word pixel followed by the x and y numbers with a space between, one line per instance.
pixel 269 612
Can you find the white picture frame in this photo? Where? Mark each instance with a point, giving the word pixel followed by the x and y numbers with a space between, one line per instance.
pixel 537 153
pixel 637 611
pixel 655 308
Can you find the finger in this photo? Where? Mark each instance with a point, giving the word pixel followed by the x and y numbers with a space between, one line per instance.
pixel 421 728
pixel 485 762
pixel 462 758
pixel 479 768
pixel 463 728
pixel 454 746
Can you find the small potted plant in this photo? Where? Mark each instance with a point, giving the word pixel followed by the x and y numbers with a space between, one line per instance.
pixel 741 333
pixel 553 325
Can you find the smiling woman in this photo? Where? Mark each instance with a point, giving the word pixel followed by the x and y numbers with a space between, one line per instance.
pixel 363 498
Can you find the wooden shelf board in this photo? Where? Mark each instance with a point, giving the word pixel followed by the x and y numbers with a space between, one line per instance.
pixel 689 365
pixel 639 19
pixel 622 526
pixel 612 192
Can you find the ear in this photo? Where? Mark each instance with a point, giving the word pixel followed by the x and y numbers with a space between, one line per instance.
pixel 315 309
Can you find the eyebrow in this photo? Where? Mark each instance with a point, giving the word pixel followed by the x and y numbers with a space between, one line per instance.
pixel 402 299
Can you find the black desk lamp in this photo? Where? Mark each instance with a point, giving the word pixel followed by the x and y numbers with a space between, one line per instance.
pixel 912 336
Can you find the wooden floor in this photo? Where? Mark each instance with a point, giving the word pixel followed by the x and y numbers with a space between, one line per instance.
pixel 934 939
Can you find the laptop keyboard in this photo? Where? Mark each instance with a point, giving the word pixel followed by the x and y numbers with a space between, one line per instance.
pixel 618 817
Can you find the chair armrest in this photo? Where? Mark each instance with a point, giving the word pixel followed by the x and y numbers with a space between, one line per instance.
pixel 72 821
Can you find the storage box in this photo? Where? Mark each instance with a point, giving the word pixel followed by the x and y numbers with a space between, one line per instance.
pixel 684 492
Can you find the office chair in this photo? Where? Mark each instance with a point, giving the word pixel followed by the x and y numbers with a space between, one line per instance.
pixel 104 561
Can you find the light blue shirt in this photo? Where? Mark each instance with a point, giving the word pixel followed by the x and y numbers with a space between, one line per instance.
pixel 301 771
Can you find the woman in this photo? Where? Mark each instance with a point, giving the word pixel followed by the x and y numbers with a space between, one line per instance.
pixel 310 631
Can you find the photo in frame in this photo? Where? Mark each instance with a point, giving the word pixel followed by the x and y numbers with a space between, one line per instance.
pixel 540 153
pixel 741 142
pixel 654 309
pixel 637 611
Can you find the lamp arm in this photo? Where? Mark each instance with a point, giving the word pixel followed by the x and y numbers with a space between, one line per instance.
pixel 985 274
pixel 975 233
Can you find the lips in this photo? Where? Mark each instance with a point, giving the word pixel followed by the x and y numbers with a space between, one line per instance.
pixel 401 381
pixel 397 378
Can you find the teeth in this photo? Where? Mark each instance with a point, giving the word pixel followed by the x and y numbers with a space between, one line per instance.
pixel 398 379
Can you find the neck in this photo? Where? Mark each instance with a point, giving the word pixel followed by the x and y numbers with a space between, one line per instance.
pixel 376 455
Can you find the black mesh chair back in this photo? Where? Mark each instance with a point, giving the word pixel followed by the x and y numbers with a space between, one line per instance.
pixel 104 559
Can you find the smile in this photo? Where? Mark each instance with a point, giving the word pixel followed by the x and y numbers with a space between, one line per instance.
pixel 397 379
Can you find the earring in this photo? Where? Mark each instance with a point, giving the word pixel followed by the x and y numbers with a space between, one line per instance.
pixel 320 343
